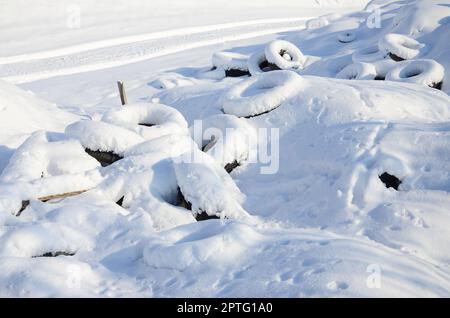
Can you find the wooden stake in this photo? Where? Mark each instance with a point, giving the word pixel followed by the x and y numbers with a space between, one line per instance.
pixel 26 203
pixel 123 95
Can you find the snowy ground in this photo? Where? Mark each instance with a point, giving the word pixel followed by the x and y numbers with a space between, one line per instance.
pixel 320 224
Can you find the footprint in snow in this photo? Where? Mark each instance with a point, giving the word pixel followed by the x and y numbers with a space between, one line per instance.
pixel 335 285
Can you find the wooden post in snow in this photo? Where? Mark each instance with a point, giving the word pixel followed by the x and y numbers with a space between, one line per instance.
pixel 123 95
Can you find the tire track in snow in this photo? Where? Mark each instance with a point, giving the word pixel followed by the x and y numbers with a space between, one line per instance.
pixel 117 52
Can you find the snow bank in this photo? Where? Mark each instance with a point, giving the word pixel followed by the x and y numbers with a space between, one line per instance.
pixel 22 113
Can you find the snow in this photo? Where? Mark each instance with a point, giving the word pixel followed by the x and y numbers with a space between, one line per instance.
pixel 22 113
pixel 322 224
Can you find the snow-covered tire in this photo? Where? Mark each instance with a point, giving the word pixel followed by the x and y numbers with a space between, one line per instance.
pixel 234 64
pixel 206 188
pixel 229 140
pixel 213 73
pixel 358 71
pixel 148 120
pixel 257 64
pixel 400 47
pixel 105 142
pixel 346 37
pixel 368 54
pixel 383 67
pixel 284 54
pixel 260 94
pixel 425 72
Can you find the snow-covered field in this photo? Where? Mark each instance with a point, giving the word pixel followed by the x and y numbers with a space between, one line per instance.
pixel 323 171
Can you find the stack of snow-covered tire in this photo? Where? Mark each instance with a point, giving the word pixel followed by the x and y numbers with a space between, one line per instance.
pixel 277 55
pixel 133 141
pixel 395 57
pixel 121 128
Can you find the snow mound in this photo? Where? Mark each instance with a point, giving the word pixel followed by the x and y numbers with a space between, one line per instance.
pixel 215 244
pixel 40 240
pixel 22 113
pixel 169 81
pixel 39 157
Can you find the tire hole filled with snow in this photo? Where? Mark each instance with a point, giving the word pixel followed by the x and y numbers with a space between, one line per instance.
pixel 390 181
pixel 55 254
pixel 233 64
pixel 104 157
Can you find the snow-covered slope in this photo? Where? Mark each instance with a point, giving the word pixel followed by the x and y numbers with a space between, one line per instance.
pixel 338 183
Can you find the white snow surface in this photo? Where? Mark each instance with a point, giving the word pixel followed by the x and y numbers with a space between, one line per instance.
pixel 322 224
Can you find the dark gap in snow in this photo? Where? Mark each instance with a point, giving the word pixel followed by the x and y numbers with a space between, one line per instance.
pixel 204 216
pixel 146 124
pixel 54 254
pixel 267 67
pixel 182 202
pixel 437 86
pixel 25 204
pixel 120 201
pixel 379 78
pixel 231 166
pixel 256 115
pixel 104 157
pixel 210 144
pixel 390 181
pixel 236 73
pixel 396 57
